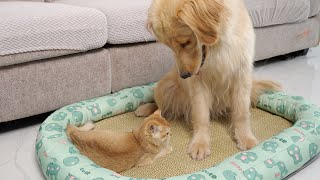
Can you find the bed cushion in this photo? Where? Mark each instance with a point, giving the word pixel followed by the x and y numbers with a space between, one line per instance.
pixel 34 26
pixel 275 158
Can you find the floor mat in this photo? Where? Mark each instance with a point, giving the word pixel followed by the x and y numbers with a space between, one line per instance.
pixel 179 162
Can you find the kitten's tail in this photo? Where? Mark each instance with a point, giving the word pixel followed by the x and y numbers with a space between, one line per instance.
pixel 86 127
pixel 260 86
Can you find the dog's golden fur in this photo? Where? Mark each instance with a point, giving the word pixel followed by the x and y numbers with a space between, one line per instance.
pixel 122 151
pixel 224 84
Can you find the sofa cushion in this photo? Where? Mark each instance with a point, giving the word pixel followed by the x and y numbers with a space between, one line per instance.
pixel 272 12
pixel 286 38
pixel 126 18
pixel 34 26
pixel 314 7
pixel 41 86
pixel 139 64
pixel 18 58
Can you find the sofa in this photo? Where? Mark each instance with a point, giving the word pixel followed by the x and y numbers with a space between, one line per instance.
pixel 54 53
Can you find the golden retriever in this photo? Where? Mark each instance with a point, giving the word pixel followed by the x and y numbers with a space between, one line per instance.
pixel 213 44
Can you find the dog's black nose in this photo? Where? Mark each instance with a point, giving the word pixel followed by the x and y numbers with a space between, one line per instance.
pixel 185 75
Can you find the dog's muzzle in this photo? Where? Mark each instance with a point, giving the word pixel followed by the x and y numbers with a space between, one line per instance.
pixel 186 75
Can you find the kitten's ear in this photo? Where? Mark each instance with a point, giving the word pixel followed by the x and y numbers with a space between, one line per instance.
pixel 154 129
pixel 158 112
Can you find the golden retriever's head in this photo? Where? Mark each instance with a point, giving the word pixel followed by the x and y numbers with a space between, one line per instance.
pixel 186 26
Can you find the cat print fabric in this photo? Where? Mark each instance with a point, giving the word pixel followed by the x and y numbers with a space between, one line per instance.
pixel 275 158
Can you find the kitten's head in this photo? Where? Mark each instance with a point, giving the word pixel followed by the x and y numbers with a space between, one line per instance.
pixel 157 129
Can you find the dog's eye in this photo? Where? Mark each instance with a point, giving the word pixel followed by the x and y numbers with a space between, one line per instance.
pixel 183 45
pixel 167 134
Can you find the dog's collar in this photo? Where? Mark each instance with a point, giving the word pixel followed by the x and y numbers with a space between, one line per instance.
pixel 204 52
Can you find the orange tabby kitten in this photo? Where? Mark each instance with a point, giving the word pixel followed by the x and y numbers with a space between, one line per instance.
pixel 122 151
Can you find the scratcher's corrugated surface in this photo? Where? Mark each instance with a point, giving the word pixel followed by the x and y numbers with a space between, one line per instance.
pixel 178 162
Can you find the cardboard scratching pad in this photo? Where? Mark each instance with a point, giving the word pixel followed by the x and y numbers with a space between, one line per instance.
pixel 179 162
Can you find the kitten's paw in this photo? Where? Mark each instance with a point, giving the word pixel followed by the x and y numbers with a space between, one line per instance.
pixel 169 150
pixel 246 142
pixel 199 148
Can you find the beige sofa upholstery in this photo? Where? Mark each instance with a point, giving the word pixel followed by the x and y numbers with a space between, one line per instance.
pixel 137 64
pixel 32 27
pixel 41 86
pixel 126 18
pixel 117 51
pixel 273 12
pixel 314 7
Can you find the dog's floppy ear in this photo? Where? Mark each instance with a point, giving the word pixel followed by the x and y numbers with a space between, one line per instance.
pixel 204 18
pixel 151 17
pixel 149 26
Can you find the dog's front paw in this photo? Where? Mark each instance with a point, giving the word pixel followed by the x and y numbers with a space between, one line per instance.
pixel 146 110
pixel 246 142
pixel 199 148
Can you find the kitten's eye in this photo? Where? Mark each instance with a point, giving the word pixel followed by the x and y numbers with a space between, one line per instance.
pixel 183 45
pixel 168 134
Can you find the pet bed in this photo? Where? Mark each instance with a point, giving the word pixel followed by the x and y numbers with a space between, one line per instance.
pixel 274 158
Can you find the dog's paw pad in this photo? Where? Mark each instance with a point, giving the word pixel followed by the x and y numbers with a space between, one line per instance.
pixel 198 150
pixel 246 143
